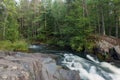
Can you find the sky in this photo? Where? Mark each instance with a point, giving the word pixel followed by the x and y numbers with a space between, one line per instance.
pixel 17 0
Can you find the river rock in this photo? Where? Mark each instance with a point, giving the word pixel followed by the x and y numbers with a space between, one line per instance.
pixel 104 45
pixel 23 66
pixel 109 47
pixel 114 54
pixel 117 49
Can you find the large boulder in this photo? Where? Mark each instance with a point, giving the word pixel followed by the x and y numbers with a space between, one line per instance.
pixel 104 45
pixel 21 66
pixel 109 47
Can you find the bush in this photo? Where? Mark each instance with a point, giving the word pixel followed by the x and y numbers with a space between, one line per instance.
pixel 20 45
pixel 7 45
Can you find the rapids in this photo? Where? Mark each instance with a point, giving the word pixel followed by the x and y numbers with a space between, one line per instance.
pixel 89 69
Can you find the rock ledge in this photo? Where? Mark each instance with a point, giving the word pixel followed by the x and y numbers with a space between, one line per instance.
pixel 21 66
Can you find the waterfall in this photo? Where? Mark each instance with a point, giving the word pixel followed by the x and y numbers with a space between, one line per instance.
pixel 91 70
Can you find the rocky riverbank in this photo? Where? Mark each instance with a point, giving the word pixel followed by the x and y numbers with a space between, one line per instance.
pixel 23 66
pixel 108 48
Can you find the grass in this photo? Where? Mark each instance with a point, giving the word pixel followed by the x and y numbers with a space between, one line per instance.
pixel 20 45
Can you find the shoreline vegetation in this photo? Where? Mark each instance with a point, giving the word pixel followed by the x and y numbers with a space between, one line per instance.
pixel 20 45
pixel 71 23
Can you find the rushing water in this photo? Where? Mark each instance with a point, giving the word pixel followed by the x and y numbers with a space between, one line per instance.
pixel 90 69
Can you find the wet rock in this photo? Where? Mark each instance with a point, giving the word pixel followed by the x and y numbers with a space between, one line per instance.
pixel 21 66
pixel 117 49
pixel 114 54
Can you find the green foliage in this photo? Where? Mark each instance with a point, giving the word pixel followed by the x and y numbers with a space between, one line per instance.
pixel 56 22
pixel 6 45
pixel 79 25
pixel 65 25
pixel 8 21
pixel 12 32
pixel 21 45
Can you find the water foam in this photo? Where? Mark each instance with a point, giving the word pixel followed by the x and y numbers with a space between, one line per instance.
pixel 92 59
pixel 88 70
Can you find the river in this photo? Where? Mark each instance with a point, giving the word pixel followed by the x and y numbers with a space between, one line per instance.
pixel 89 69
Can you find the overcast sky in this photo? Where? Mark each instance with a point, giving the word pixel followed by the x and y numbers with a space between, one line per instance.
pixel 17 0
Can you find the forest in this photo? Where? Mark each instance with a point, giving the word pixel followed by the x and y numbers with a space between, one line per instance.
pixel 57 22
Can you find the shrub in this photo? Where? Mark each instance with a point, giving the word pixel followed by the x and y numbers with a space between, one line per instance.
pixel 21 45
pixel 7 45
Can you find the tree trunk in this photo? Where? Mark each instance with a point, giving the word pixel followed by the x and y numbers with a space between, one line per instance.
pixel 98 22
pixel 4 27
pixel 116 23
pixel 116 31
pixel 85 10
pixel 110 30
pixel 103 23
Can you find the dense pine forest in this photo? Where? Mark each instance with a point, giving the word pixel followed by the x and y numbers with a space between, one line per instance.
pixel 57 22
